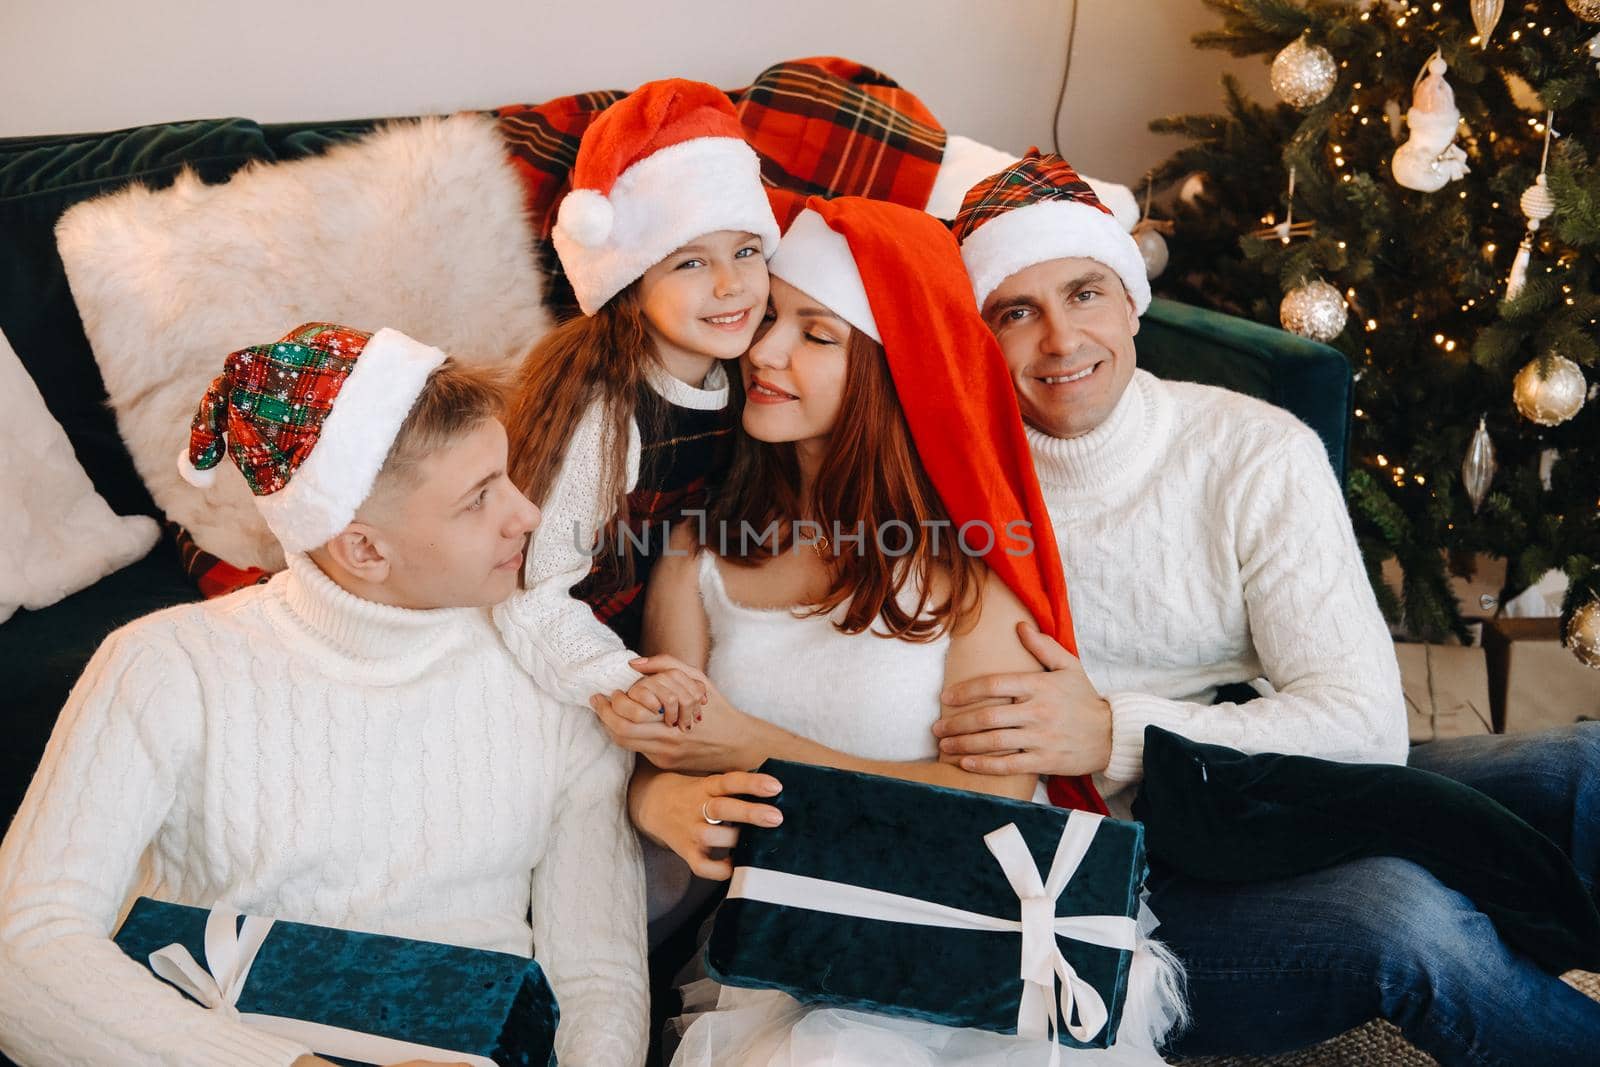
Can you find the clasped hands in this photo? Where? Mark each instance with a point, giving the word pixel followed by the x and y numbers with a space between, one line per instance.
pixel 1056 723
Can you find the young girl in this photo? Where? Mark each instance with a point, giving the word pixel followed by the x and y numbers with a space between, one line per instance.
pixel 618 417
pixel 883 440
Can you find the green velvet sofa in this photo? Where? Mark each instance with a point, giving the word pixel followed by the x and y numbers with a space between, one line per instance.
pixel 43 652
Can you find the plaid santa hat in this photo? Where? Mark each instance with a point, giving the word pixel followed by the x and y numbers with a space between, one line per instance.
pixel 309 421
pixel 666 164
pixel 1039 209
pixel 895 274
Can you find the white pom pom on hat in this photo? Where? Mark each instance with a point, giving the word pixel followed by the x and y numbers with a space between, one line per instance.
pixel 587 217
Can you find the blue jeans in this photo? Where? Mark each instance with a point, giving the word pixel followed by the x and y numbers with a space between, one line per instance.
pixel 1281 965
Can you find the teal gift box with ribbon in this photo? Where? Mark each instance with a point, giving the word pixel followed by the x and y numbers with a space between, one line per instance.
pixel 918 901
pixel 351 997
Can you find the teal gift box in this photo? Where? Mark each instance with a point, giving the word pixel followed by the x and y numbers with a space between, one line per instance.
pixel 352 997
pixel 919 901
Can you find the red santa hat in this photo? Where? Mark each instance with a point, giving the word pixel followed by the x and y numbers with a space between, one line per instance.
pixel 1039 209
pixel 666 164
pixel 895 274
pixel 309 421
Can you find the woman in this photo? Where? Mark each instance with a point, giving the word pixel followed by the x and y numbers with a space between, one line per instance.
pixel 861 556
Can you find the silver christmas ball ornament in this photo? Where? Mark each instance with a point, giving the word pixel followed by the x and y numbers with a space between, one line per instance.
pixel 1153 250
pixel 1553 398
pixel 1303 74
pixel 1315 310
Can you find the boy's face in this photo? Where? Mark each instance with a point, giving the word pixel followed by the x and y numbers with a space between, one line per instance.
pixel 452 534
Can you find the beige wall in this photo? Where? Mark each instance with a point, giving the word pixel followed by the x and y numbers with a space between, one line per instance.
pixel 987 68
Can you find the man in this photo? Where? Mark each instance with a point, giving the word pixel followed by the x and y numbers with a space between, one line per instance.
pixel 348 745
pixel 1206 543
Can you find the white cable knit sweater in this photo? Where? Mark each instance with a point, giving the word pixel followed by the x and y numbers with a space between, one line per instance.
pixel 554 636
pixel 1205 541
pixel 299 752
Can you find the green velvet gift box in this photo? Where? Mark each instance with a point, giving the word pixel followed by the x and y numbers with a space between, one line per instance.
pixel 352 997
pixel 918 901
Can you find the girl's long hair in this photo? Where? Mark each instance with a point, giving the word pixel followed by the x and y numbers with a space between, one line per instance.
pixel 870 478
pixel 595 358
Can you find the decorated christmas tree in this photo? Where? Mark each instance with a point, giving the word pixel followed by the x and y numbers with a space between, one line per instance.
pixel 1423 197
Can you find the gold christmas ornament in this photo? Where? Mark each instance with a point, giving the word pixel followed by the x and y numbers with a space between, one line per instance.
pixel 1552 398
pixel 1583 634
pixel 1315 310
pixel 1587 10
pixel 1485 16
pixel 1303 74
pixel 1479 466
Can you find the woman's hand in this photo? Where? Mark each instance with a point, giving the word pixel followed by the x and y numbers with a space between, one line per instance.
pixel 723 739
pixel 675 811
pixel 670 688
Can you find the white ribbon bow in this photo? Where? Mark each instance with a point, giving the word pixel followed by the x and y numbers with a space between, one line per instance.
pixel 230 952
pixel 1043 965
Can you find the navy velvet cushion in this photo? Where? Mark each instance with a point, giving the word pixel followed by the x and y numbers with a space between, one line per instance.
pixel 465 1000
pixel 925 842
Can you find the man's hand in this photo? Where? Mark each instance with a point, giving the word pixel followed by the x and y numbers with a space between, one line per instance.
pixel 1056 723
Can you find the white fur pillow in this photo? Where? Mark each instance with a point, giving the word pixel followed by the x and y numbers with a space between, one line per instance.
pixel 420 226
pixel 57 535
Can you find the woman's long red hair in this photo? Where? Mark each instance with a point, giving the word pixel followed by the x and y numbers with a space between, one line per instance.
pixel 869 478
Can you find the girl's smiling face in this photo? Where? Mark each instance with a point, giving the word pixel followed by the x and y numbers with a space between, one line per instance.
pixel 706 298
pixel 794 374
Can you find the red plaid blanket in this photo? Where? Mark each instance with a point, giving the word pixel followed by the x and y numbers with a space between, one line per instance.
pixel 823 126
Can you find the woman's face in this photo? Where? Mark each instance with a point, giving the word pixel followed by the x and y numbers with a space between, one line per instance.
pixel 794 374
pixel 706 298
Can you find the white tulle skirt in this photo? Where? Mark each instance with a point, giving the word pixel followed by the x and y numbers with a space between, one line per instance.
pixel 727 1027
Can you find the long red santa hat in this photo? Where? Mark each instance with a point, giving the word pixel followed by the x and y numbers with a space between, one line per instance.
pixel 896 274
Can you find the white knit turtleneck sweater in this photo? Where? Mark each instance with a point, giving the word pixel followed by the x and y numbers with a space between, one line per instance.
pixel 1205 541
pixel 298 752
pixel 556 637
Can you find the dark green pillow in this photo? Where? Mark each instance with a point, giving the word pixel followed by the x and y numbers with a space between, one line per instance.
pixel 1217 815
pixel 1310 380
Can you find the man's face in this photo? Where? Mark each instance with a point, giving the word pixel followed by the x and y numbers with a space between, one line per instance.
pixel 1066 327
pixel 454 531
